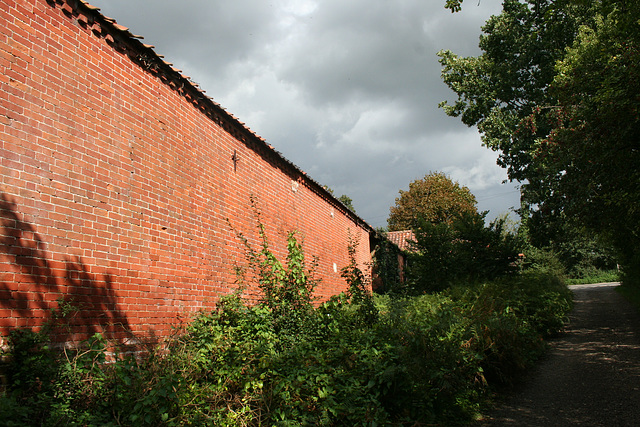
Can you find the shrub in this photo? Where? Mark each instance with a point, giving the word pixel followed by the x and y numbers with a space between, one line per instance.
pixel 461 251
pixel 511 318
pixel 356 359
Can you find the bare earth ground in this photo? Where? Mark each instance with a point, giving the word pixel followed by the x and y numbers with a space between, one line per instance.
pixel 591 375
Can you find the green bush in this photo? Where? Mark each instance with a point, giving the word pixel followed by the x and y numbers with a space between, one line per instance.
pixel 594 276
pixel 461 251
pixel 512 317
pixel 353 360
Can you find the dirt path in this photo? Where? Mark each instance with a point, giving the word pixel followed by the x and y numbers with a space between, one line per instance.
pixel 591 376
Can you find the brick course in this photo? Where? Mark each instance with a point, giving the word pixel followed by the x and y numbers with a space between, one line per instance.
pixel 119 187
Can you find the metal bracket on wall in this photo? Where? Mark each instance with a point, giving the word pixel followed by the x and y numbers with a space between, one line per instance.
pixel 235 159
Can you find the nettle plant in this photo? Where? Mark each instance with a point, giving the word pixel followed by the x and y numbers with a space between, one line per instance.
pixel 287 287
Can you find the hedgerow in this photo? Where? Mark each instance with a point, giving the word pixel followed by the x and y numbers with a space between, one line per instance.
pixel 356 359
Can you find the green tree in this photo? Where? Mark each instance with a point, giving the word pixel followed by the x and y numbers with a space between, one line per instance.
pixel 348 202
pixel 498 90
pixel 591 157
pixel 464 250
pixel 344 199
pixel 435 198
pixel 555 93
pixel 453 5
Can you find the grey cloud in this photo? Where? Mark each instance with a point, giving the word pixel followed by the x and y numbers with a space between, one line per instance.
pixel 214 33
pixel 346 90
pixel 342 55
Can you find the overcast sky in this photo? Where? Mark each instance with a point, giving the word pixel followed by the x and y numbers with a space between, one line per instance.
pixel 347 90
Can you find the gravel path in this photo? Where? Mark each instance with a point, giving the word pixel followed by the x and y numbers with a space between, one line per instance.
pixel 591 376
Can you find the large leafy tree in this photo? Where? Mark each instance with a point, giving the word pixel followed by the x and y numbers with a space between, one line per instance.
pixel 498 90
pixel 555 92
pixel 591 157
pixel 435 199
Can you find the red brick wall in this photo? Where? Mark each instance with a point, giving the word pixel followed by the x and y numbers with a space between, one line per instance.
pixel 118 187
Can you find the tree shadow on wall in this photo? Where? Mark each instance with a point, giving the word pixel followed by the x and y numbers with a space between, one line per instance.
pixel 36 289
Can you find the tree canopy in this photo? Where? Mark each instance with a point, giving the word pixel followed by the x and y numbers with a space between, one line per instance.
pixel 555 92
pixel 591 156
pixel 434 198
pixel 498 90
pixel 344 199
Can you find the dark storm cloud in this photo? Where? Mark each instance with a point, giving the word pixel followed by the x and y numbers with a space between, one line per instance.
pixel 210 36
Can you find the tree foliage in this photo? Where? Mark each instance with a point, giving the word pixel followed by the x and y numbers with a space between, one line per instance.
pixel 555 92
pixel 435 198
pixel 453 5
pixel 591 157
pixel 465 250
pixel 348 202
pixel 499 89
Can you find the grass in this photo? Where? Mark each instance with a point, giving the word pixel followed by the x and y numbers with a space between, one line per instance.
pixel 601 276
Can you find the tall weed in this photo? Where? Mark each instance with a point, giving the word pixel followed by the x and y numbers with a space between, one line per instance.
pixel 356 359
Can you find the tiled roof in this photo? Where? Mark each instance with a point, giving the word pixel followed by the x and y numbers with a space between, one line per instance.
pixel 122 40
pixel 402 239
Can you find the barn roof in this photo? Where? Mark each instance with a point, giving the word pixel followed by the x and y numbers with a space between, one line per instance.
pixel 402 239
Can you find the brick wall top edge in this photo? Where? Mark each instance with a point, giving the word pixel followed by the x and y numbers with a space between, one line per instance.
pixel 143 55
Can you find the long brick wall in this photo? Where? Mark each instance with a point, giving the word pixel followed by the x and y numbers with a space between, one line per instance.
pixel 122 186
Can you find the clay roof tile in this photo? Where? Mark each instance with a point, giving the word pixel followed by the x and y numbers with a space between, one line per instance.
pixel 402 239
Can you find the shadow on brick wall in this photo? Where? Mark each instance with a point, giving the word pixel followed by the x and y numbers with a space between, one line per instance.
pixel 36 289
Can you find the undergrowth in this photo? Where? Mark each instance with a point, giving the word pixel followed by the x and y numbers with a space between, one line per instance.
pixel 356 359
pixel 631 293
pixel 595 276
